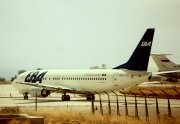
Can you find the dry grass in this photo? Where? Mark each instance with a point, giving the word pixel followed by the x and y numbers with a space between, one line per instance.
pixel 19 122
pixel 58 116
pixel 10 110
pixel 5 82
pixel 68 117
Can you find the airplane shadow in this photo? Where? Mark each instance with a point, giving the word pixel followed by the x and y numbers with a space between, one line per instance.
pixel 40 100
pixel 29 101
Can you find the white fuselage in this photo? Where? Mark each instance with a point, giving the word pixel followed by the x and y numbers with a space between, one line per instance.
pixel 82 81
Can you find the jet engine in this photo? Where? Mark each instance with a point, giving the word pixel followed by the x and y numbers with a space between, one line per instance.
pixel 39 91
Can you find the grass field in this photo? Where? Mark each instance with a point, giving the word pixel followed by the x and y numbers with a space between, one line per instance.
pixel 68 117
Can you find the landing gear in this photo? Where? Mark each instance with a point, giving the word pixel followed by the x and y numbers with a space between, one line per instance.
pixel 65 97
pixel 90 97
pixel 25 96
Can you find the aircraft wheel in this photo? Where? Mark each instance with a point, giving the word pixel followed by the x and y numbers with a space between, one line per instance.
pixel 65 98
pixel 25 96
pixel 68 98
pixel 90 97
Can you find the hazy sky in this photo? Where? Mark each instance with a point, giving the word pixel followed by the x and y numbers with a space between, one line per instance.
pixel 77 34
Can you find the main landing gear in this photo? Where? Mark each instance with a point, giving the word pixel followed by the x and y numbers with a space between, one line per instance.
pixel 65 97
pixel 90 97
pixel 25 96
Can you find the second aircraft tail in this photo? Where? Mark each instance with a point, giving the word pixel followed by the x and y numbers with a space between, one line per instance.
pixel 163 63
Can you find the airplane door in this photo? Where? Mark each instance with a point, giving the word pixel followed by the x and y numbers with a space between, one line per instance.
pixel 115 79
pixel 61 79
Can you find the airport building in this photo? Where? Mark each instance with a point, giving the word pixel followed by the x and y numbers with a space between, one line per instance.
pixel 97 67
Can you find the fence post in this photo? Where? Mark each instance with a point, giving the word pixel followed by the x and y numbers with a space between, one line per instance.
pixel 157 107
pixel 109 103
pixel 36 103
pixel 126 108
pixel 176 91
pixel 101 108
pixel 92 103
pixel 169 107
pixel 118 113
pixel 146 108
pixel 136 108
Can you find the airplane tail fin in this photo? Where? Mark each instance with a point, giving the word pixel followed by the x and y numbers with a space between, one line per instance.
pixel 163 63
pixel 140 58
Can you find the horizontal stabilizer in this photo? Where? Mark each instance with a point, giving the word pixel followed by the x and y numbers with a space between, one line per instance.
pixel 159 54
pixel 136 73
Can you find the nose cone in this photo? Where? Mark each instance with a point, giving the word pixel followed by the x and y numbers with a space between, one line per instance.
pixel 14 83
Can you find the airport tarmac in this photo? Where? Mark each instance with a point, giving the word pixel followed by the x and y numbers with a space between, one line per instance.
pixel 10 97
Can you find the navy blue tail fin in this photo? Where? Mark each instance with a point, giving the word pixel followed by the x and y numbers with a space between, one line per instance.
pixel 140 58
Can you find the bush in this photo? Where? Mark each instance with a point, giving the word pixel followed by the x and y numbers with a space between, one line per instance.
pixel 2 79
pixel 8 110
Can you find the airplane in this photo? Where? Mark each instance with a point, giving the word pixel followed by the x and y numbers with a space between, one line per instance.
pixel 165 64
pixel 88 82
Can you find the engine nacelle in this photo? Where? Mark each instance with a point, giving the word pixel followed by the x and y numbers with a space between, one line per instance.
pixel 39 91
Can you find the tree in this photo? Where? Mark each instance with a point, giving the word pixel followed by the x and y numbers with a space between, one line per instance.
pixel 12 79
pixel 2 79
pixel 39 69
pixel 21 71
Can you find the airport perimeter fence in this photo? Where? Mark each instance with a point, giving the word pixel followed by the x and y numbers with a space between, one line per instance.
pixel 136 115
pixel 135 104
pixel 93 108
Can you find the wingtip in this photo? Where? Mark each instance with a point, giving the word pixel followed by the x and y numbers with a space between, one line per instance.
pixel 158 54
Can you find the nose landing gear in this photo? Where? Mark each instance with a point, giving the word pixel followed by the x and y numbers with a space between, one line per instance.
pixel 25 96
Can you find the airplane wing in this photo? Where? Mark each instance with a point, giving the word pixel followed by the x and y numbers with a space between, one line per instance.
pixel 53 88
pixel 167 72
pixel 171 74
pixel 135 73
